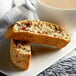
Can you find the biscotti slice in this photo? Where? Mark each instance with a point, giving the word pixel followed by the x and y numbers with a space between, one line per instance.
pixel 20 52
pixel 39 32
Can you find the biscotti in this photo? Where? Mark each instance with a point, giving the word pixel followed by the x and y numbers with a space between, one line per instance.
pixel 20 52
pixel 39 32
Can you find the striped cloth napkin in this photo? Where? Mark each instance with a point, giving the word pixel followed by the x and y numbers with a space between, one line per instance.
pixel 18 11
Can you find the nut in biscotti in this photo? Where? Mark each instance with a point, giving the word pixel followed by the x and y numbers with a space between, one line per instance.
pixel 39 32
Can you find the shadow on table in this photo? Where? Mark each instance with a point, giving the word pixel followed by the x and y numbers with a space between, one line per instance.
pixel 41 49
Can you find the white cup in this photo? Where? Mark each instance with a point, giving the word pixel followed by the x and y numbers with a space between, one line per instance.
pixel 64 17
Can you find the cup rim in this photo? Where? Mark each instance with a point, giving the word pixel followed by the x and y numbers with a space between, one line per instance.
pixel 74 9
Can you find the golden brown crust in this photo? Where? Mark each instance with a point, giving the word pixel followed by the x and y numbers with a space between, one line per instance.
pixel 19 58
pixel 38 38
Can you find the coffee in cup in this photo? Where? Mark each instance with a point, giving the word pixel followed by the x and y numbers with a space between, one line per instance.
pixel 66 4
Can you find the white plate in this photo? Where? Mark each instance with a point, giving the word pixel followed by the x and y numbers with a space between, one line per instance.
pixel 42 57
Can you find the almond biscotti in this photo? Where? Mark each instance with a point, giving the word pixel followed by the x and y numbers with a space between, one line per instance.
pixel 39 32
pixel 20 52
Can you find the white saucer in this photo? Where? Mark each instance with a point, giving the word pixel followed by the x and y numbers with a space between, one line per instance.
pixel 42 57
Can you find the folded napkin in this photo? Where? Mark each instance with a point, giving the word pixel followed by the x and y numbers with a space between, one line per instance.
pixel 65 66
pixel 5 6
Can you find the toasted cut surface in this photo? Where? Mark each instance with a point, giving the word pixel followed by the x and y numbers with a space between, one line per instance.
pixel 39 32
pixel 20 52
